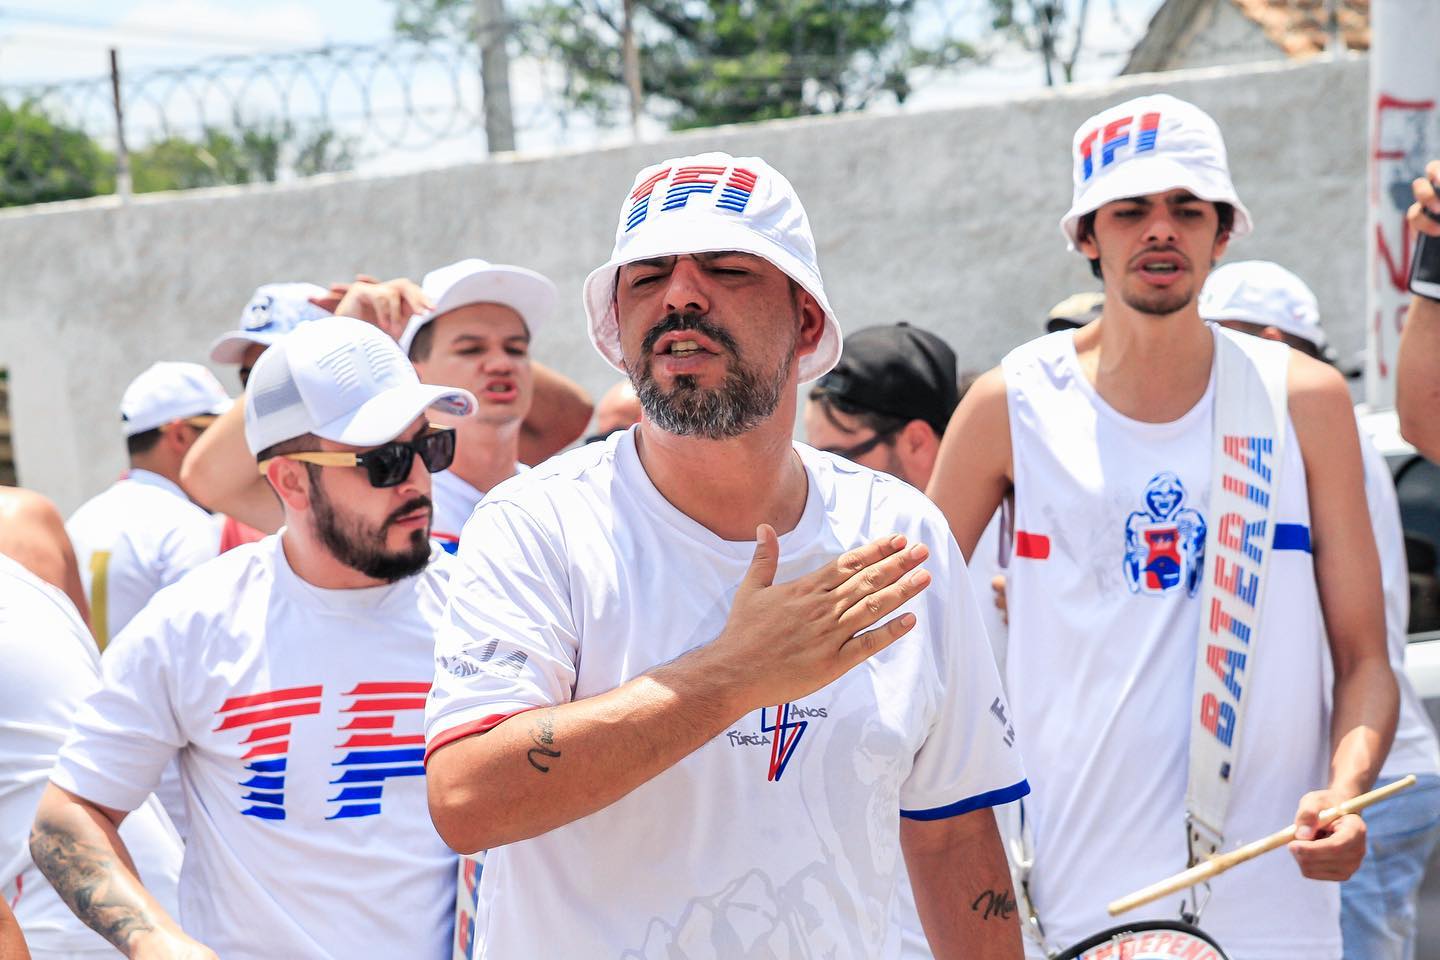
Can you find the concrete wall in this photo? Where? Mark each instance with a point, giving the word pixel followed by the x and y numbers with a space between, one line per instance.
pixel 946 219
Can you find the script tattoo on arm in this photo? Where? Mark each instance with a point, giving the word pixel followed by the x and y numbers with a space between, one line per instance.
pixel 543 736
pixel 85 877
pixel 994 905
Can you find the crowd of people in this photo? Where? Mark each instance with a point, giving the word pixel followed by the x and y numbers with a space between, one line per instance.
pixel 412 651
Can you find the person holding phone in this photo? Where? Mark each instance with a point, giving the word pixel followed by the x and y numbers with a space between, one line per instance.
pixel 1417 373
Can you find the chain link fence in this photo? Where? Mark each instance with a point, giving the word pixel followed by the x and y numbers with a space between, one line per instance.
pixel 411 103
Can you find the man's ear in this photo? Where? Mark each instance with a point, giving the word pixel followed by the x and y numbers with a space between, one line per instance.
pixel 178 436
pixel 1273 333
pixel 1222 241
pixel 812 322
pixel 291 483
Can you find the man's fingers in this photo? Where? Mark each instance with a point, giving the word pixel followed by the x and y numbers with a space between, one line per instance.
pixel 1336 854
pixel 878 576
pixel 766 559
pixel 1422 222
pixel 855 561
pixel 869 609
pixel 1308 815
pixel 860 648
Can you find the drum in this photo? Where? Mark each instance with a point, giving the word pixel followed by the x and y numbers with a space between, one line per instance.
pixel 1147 940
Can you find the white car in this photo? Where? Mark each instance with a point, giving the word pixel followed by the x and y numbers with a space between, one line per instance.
pixel 1417 486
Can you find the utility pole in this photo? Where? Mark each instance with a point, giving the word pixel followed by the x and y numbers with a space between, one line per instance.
pixel 491 32
pixel 122 151
pixel 631 54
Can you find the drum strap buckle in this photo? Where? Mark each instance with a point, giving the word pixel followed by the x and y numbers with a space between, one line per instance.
pixel 1201 844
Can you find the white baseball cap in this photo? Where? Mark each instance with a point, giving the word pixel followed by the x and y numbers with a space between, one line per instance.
pixel 704 204
pixel 170 391
pixel 273 311
pixel 530 294
pixel 1150 145
pixel 1263 293
pixel 341 379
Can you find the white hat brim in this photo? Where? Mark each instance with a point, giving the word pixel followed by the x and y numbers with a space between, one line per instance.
pixel 528 293
pixel 385 416
pixel 677 236
pixel 231 347
pixel 1143 176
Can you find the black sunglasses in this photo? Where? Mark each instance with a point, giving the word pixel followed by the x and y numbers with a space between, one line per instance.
pixel 387 465
pixel 864 446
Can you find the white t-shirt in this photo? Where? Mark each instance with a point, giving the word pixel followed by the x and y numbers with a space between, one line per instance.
pixel 141 534
pixel 454 500
pixel 297 715
pixel 1111 524
pixel 1415 749
pixel 582 576
pixel 51 664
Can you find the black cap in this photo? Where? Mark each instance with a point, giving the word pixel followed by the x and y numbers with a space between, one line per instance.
pixel 898 370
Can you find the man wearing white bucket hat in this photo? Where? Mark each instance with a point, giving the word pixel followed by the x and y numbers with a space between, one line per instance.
pixel 289 677
pixel 675 666
pixel 1187 502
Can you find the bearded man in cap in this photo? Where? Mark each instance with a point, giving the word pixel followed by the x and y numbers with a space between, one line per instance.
pixel 288 677
pixel 1188 503
pixel 670 669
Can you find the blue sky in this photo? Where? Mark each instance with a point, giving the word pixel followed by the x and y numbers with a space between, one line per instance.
pixel 44 40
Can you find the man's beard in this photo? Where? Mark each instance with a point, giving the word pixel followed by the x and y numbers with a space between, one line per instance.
pixel 1158 301
pixel 363 548
pixel 744 399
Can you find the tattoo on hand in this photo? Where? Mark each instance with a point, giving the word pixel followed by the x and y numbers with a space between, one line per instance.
pixel 543 736
pixel 994 904
pixel 84 875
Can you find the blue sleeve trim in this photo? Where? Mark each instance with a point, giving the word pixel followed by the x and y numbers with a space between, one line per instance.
pixel 1292 536
pixel 991 799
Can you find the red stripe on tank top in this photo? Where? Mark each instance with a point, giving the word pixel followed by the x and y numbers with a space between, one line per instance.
pixel 1032 546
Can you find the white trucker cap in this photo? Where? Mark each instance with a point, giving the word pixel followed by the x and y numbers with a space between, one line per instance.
pixel 341 379
pixel 530 294
pixel 170 391
pixel 1150 145
pixel 273 311
pixel 705 204
pixel 1263 293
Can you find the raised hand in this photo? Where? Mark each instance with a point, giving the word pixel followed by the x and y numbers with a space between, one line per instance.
pixel 783 642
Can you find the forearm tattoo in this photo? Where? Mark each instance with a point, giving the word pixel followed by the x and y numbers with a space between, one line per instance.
pixel 543 736
pixel 85 877
pixel 994 904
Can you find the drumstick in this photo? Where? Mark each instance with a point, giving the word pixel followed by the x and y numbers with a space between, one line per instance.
pixel 1219 863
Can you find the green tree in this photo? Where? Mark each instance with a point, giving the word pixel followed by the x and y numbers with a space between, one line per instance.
pixel 43 160
pixel 707 62
pixel 1054 29
pixel 243 153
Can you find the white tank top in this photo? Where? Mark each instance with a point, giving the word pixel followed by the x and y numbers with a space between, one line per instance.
pixel 1111 528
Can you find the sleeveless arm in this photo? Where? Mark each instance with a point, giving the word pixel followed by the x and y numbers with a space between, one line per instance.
pixel 973 470
pixel 1347 574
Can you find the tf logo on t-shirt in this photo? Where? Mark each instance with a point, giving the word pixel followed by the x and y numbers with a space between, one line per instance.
pixel 370 751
